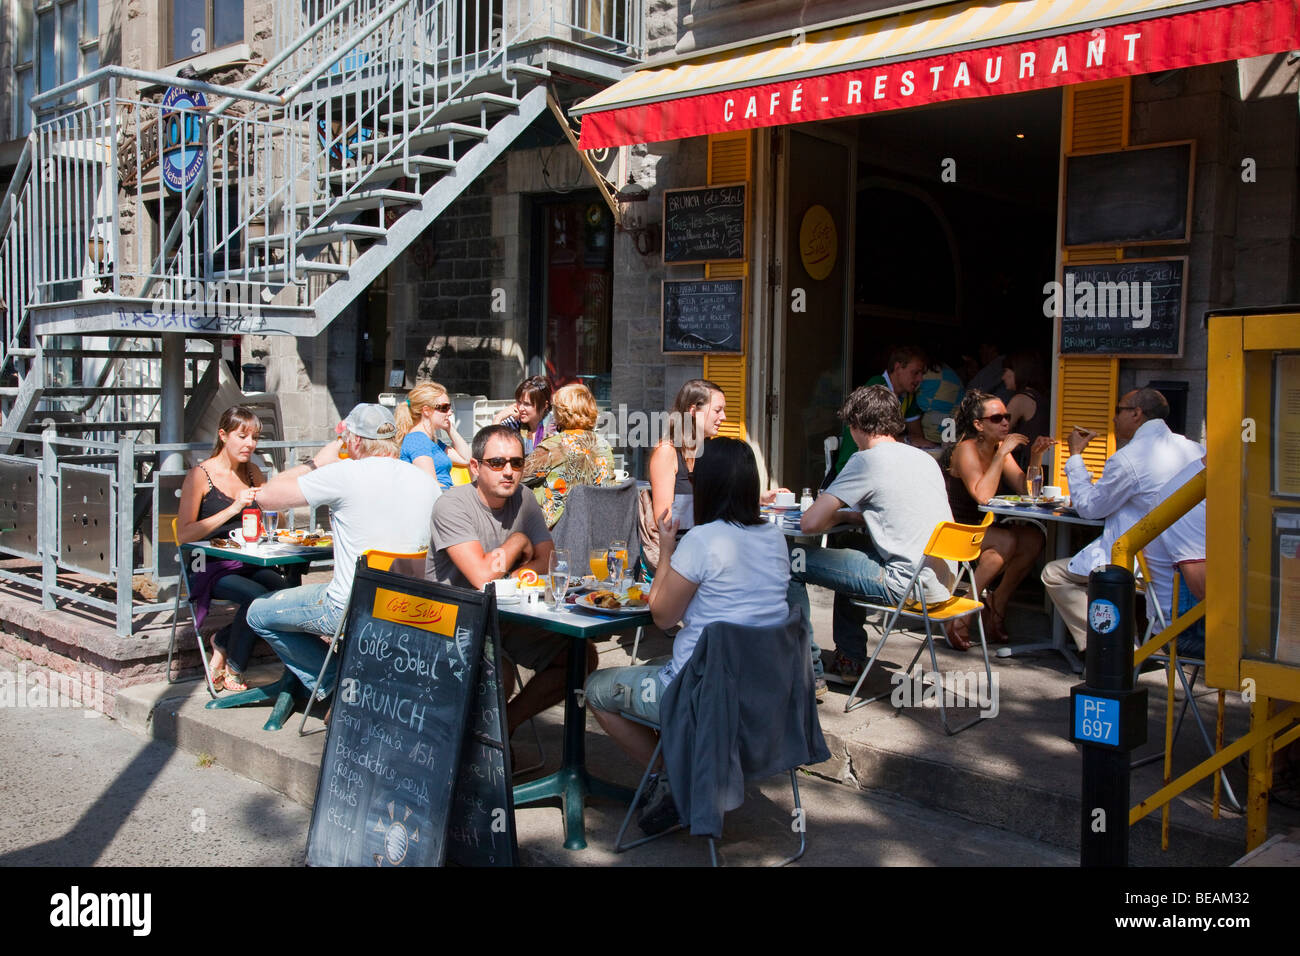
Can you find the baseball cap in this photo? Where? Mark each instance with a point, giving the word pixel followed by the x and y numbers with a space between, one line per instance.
pixel 371 421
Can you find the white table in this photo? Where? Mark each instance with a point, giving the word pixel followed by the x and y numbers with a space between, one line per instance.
pixel 1043 518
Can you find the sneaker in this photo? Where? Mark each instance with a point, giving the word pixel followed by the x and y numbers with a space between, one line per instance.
pixel 821 689
pixel 659 812
pixel 846 667
pixel 648 793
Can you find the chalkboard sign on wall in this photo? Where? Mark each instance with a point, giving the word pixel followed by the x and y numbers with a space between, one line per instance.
pixel 409 671
pixel 1134 307
pixel 704 224
pixel 1135 196
pixel 703 315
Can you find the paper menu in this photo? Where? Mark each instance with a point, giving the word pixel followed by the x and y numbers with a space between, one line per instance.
pixel 1286 420
pixel 1287 648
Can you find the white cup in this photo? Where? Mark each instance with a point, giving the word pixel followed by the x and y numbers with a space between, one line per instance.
pixel 785 499
pixel 1051 491
pixel 507 589
pixel 620 475
pixel 238 538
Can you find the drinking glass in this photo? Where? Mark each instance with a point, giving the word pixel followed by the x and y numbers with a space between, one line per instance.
pixel 617 562
pixel 559 572
pixel 270 524
pixel 599 562
pixel 1034 478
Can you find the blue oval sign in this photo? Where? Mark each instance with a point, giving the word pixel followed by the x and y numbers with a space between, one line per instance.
pixel 183 151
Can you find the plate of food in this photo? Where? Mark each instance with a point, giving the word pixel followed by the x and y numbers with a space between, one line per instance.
pixel 610 602
pixel 1014 501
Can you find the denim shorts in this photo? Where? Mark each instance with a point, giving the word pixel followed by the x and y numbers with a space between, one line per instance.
pixel 633 690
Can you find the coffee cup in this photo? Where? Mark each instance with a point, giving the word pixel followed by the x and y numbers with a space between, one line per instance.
pixel 1051 491
pixel 785 499
pixel 238 538
pixel 507 589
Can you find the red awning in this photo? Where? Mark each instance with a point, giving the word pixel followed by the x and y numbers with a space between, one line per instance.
pixel 808 81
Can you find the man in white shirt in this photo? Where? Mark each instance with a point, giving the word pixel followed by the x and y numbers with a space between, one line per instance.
pixel 1181 548
pixel 375 501
pixel 1130 487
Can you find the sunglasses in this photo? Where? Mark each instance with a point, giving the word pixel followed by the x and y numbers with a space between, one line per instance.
pixel 997 419
pixel 441 407
pixel 496 464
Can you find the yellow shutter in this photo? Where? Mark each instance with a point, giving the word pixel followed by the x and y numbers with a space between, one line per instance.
pixel 730 162
pixel 1096 117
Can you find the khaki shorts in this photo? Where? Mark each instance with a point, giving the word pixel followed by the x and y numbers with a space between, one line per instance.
pixel 531 647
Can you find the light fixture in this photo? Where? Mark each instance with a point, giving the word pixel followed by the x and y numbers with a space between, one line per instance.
pixel 633 191
pixel 1020 136
pixel 98 252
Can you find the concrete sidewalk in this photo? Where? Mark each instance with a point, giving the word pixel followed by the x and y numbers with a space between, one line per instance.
pixel 1013 777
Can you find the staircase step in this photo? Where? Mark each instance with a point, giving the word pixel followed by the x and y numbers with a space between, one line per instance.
pixel 103 426
pixel 117 353
pixel 23 352
pixel 436 137
pixel 472 107
pixel 388 171
pixel 277 272
pixel 490 83
pixel 374 198
pixel 86 391
pixel 336 232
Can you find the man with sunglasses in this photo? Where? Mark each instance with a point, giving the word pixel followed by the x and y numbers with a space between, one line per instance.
pixel 494 528
pixel 1129 487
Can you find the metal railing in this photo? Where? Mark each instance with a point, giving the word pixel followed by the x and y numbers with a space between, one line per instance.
pixel 77 509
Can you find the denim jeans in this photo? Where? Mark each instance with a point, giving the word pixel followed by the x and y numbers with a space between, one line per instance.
pixel 856 570
pixel 236 641
pixel 298 624
pixel 1191 643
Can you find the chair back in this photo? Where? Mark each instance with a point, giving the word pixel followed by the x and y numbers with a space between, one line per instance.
pixel 594 515
pixel 743 707
pixel 409 563
pixel 951 541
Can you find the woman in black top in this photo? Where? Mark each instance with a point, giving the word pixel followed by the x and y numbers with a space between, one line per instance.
pixel 213 498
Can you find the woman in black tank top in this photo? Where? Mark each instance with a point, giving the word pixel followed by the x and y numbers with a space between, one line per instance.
pixel 213 498
pixel 981 464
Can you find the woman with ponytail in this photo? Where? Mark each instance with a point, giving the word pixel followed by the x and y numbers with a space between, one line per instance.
pixel 426 412
pixel 982 463
pixel 213 498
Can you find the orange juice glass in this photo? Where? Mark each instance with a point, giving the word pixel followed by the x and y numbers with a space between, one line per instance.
pixel 599 563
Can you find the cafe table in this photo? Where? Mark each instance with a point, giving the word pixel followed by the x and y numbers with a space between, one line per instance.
pixel 1049 521
pixel 294 561
pixel 572 783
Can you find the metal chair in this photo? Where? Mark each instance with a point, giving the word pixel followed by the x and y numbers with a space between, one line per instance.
pixel 950 541
pixel 1156 623
pixel 779 651
pixel 183 583
pixel 381 561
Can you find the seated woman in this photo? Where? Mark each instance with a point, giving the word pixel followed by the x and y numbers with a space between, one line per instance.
pixel 698 411
pixel 425 413
pixel 1024 378
pixel 530 415
pixel 213 498
pixel 981 464
pixel 574 455
pixel 731 566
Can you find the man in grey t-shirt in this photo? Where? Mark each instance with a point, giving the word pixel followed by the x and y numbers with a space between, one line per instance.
pixel 494 528
pixel 898 493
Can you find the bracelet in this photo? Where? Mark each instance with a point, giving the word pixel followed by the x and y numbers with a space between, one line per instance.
pixel 311 464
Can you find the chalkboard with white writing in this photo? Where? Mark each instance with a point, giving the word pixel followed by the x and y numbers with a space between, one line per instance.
pixel 1136 196
pixel 704 224
pixel 703 315
pixel 1134 307
pixel 409 671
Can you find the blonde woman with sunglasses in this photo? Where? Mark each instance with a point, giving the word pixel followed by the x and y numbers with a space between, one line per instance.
pixel 981 465
pixel 425 413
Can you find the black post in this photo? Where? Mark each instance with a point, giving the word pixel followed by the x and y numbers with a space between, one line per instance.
pixel 1108 718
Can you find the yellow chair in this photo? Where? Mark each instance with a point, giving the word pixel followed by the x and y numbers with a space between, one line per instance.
pixel 459 475
pixel 380 560
pixel 949 542
pixel 183 581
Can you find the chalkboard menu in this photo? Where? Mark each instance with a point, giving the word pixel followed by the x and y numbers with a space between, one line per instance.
pixel 1133 307
pixel 703 315
pixel 704 224
pixel 409 686
pixel 1129 197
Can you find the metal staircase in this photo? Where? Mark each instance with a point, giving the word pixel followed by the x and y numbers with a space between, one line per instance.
pixel 317 172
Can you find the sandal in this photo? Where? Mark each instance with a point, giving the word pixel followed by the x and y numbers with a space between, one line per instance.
pixel 234 681
pixel 994 623
pixel 958 634
pixel 219 679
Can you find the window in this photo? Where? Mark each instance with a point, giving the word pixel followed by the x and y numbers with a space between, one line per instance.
pixel 198 26
pixel 56 41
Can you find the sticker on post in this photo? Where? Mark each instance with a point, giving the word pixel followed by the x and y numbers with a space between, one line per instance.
pixel 1103 616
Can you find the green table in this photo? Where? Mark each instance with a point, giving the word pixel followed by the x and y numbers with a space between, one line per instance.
pixel 294 560
pixel 571 783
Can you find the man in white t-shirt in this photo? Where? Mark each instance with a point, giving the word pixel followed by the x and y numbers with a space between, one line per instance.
pixel 375 501
pixel 898 493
